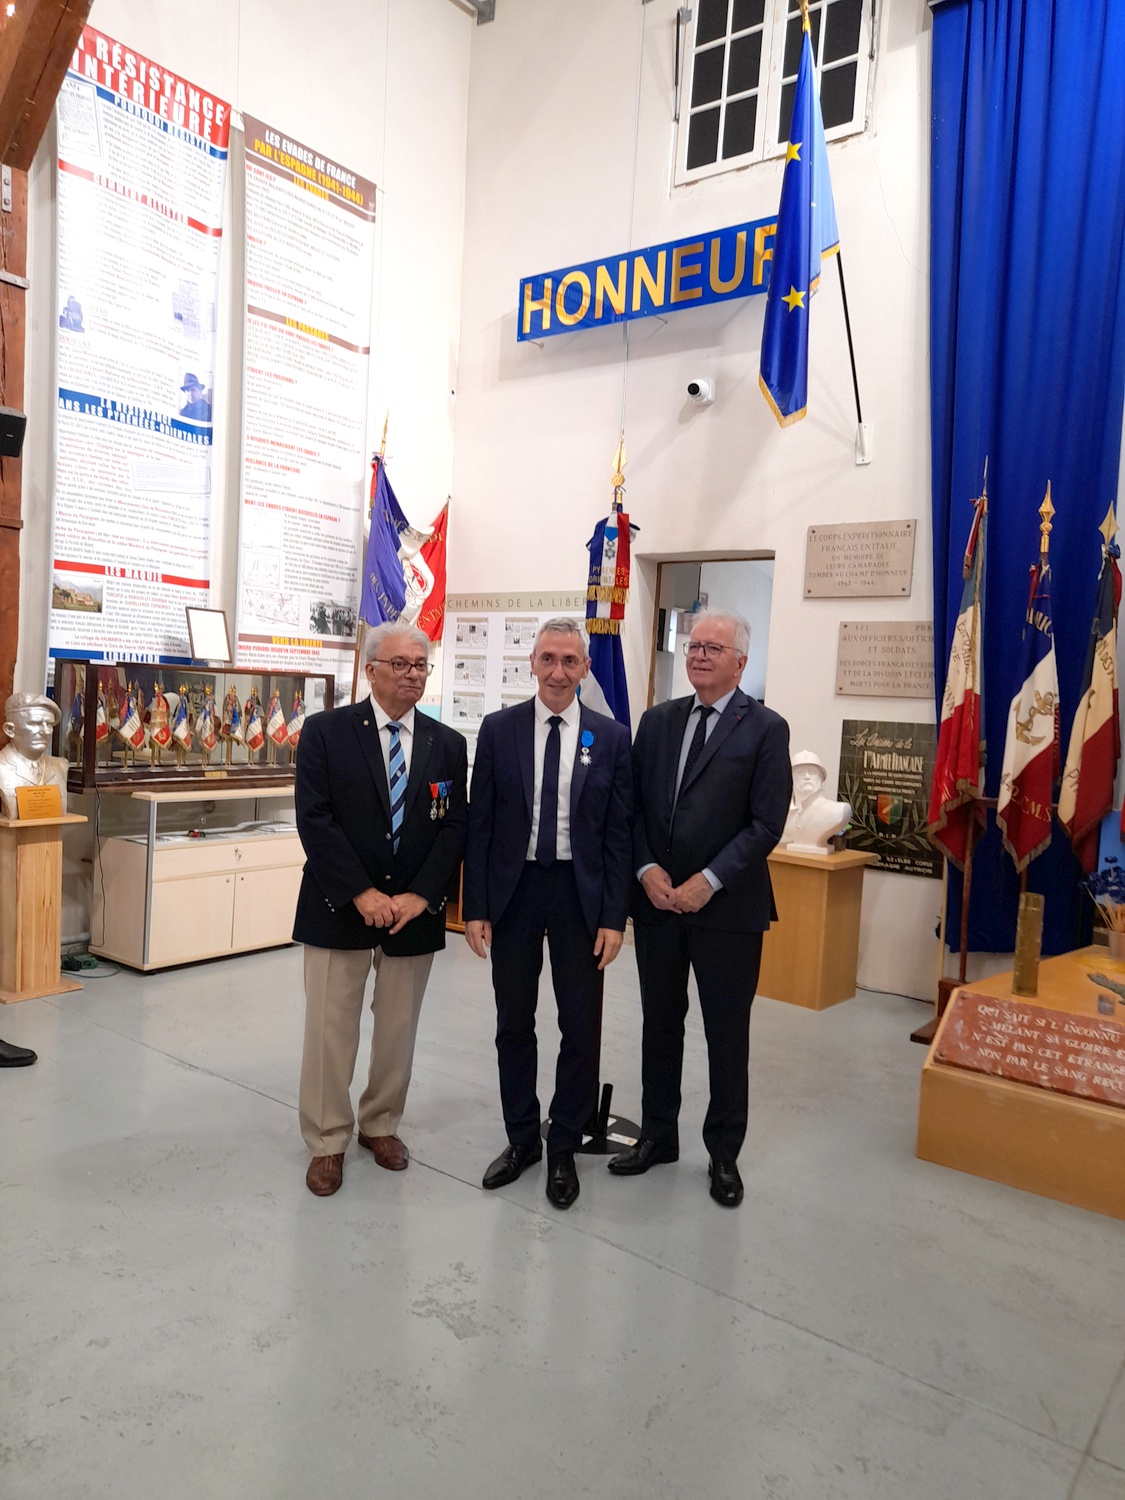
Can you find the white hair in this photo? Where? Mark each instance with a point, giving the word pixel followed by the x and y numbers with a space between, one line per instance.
pixel 740 623
pixel 375 638
pixel 564 625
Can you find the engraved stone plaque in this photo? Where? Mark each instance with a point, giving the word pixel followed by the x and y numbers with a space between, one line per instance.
pixel 885 659
pixel 867 559
pixel 1051 1049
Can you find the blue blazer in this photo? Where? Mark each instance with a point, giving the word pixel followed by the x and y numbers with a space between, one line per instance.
pixel 500 811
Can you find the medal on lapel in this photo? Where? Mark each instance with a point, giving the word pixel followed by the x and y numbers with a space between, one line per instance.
pixel 439 798
pixel 587 739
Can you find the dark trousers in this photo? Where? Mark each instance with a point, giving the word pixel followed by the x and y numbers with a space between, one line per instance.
pixel 726 972
pixel 546 903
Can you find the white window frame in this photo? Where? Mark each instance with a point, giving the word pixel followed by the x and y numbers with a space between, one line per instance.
pixel 767 145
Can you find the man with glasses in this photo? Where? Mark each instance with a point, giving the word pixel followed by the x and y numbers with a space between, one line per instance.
pixel 549 854
pixel 713 785
pixel 382 812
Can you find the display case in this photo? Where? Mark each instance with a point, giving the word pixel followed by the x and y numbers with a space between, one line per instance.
pixel 186 875
pixel 129 723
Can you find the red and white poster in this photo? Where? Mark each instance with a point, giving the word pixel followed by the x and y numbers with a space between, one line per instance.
pixel 310 249
pixel 141 178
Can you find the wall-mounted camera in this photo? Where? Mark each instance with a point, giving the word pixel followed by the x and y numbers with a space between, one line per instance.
pixel 701 391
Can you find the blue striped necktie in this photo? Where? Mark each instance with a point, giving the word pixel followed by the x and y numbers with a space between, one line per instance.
pixel 398 783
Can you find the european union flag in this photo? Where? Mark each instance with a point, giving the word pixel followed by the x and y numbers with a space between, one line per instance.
pixel 384 583
pixel 806 233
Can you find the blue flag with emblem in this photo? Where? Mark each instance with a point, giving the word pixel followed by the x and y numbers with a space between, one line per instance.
pixel 806 233
pixel 384 584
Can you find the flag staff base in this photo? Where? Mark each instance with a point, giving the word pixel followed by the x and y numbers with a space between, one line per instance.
pixel 925 1034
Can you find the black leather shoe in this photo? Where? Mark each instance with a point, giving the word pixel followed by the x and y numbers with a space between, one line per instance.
pixel 640 1157
pixel 15 1057
pixel 510 1163
pixel 726 1184
pixel 562 1178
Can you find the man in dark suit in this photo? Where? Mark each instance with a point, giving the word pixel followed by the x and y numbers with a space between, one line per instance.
pixel 549 853
pixel 713 785
pixel 382 813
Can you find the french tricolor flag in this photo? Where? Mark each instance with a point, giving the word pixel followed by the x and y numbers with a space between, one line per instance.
pixel 959 767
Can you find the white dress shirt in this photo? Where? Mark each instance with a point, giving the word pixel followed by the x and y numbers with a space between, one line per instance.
pixel 405 738
pixel 568 748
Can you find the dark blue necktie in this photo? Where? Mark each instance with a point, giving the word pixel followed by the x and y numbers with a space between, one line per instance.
pixel 699 739
pixel 545 851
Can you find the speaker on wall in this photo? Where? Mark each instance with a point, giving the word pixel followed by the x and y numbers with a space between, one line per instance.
pixel 13 424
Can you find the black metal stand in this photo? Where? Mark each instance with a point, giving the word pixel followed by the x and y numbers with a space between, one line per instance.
pixel 605 1134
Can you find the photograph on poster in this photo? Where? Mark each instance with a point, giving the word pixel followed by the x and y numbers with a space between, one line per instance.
pixel 520 632
pixel 469 671
pixel 469 632
pixel 517 673
pixel 468 708
pixel 885 773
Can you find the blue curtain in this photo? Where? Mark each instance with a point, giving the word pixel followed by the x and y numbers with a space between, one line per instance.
pixel 1027 363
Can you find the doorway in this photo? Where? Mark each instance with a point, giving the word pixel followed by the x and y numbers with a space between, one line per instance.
pixel 744 586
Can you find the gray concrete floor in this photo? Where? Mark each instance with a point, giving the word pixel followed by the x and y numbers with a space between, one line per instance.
pixel 180 1318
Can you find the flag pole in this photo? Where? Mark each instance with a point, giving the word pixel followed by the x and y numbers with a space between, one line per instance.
pixel 360 624
pixel 848 330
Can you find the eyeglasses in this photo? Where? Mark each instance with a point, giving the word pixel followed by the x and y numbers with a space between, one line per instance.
pixel 400 666
pixel 568 663
pixel 711 649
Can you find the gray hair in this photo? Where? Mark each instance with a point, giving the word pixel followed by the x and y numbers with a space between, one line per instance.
pixel 740 623
pixel 377 637
pixel 564 625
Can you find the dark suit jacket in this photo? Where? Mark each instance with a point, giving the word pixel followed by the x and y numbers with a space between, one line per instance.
pixel 344 819
pixel 601 806
pixel 730 814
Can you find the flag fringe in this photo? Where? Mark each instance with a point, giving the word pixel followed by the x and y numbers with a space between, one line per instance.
pixel 782 420
pixel 602 594
pixel 597 626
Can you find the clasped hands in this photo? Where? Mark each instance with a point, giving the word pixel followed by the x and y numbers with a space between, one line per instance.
pixel 693 895
pixel 394 912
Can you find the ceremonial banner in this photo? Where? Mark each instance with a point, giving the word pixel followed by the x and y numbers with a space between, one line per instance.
pixel 142 160
pixel 310 238
pixel 1031 749
pixel 1086 794
pixel 606 690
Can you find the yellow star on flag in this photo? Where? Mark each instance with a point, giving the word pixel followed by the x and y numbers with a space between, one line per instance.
pixel 794 299
pixel 793 152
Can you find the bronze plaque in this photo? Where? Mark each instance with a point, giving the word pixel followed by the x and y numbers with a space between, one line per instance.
pixel 1051 1049
pixel 863 560
pixel 885 659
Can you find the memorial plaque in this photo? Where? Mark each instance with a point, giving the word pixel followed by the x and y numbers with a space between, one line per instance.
pixel 885 659
pixel 1050 1049
pixel 867 560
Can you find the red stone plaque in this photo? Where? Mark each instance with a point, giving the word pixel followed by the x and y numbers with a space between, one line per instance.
pixel 1050 1049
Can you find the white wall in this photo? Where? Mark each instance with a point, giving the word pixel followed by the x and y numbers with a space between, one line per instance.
pixel 569 158
pixel 380 85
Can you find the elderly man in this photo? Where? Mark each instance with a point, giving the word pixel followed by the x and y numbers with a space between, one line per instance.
pixel 381 811
pixel 549 855
pixel 713 786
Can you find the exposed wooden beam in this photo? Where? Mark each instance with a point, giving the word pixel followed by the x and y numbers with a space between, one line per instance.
pixel 37 42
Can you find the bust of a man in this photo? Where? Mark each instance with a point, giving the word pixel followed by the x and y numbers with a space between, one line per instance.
pixel 29 721
pixel 812 819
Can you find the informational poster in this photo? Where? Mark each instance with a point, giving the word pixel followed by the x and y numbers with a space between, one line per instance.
pixel 886 771
pixel 142 160
pixel 310 245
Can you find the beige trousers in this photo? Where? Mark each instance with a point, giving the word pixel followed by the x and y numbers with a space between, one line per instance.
pixel 334 983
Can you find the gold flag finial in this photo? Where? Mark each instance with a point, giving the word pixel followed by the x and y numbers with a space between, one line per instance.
pixel 383 442
pixel 617 479
pixel 1046 511
pixel 1108 528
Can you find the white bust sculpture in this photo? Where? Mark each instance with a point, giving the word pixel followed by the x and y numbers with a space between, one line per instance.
pixel 29 720
pixel 812 819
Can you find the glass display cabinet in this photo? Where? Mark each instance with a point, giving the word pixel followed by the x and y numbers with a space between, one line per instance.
pixel 131 723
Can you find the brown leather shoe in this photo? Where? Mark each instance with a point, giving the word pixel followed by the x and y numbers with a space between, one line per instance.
pixel 387 1150
pixel 325 1175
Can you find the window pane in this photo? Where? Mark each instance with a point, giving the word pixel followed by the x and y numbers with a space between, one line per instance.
pixel 703 139
pixel 837 95
pixel 793 43
pixel 785 114
pixel 841 30
pixel 712 22
pixel 738 132
pixel 748 13
pixel 745 64
pixel 707 82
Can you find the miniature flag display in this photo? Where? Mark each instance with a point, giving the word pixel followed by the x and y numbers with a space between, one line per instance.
pixel 275 721
pixel 255 732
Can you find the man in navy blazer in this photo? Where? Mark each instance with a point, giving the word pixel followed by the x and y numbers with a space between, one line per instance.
pixel 382 812
pixel 713 786
pixel 549 853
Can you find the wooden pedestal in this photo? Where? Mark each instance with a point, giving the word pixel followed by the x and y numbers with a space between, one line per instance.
pixel 1027 1137
pixel 809 955
pixel 30 908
